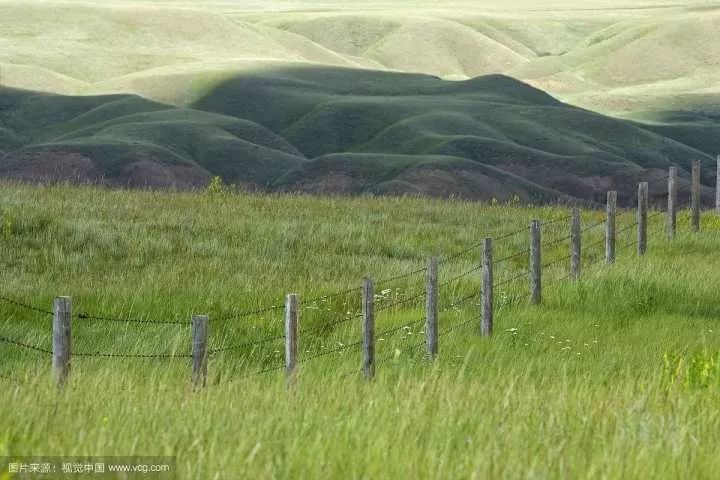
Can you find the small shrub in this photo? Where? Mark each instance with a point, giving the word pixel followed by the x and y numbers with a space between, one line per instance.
pixel 216 186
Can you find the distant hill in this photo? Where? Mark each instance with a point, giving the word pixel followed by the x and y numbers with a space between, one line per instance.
pixel 613 56
pixel 347 131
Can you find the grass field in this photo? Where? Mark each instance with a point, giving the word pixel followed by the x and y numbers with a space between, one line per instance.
pixel 615 376
pixel 519 104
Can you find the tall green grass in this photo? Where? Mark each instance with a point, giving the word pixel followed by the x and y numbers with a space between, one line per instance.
pixel 614 376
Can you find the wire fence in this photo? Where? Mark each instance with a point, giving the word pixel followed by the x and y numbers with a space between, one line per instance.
pixel 341 332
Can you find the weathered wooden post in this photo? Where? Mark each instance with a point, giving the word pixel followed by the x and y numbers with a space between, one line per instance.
pixel 575 245
pixel 717 186
pixel 368 311
pixel 291 330
pixel 486 326
pixel 431 308
pixel 62 339
pixel 695 196
pixel 535 265
pixel 672 203
pixel 200 332
pixel 642 218
pixel 611 210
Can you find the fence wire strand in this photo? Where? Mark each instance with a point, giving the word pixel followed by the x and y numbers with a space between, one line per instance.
pixel 512 256
pixel 88 316
pixel 24 305
pixel 24 345
pixel 387 333
pixel 130 355
pixel 237 346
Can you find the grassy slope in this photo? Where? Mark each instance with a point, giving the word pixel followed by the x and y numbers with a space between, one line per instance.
pixel 448 139
pixel 119 134
pixel 346 131
pixel 595 54
pixel 492 120
pixel 580 390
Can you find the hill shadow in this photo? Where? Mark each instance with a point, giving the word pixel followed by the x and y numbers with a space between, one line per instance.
pixel 344 131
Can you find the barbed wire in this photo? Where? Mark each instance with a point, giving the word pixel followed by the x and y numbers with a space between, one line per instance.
pixel 622 213
pixel 525 251
pixel 456 327
pixel 581 202
pixel 329 296
pixel 26 306
pixel 87 316
pixel 556 220
pixel 130 355
pixel 390 332
pixel 628 244
pixel 594 225
pixel 626 228
pixel 391 280
pixel 236 346
pixel 505 236
pixel 459 276
pixel 325 326
pixel 20 381
pixel 556 241
pixel 502 236
pixel 337 349
pixel 401 302
pixel 12 380
pixel 270 308
pixel 459 302
pixel 454 256
pixel 511 279
pixel 594 244
pixel 564 258
pixel 27 346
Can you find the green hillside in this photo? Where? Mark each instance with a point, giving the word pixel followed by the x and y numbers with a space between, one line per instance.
pixel 365 97
pixel 127 140
pixel 348 131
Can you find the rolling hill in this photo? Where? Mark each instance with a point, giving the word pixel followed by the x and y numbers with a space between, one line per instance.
pixel 604 55
pixel 346 131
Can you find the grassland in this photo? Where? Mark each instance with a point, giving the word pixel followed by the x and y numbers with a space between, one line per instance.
pixel 613 377
pixel 610 56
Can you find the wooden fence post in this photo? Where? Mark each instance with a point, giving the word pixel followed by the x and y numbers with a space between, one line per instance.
pixel 575 245
pixel 62 339
pixel 486 326
pixel 200 332
pixel 535 264
pixel 642 218
pixel 291 330
pixel 672 203
pixel 611 210
pixel 717 186
pixel 368 310
pixel 431 308
pixel 695 196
